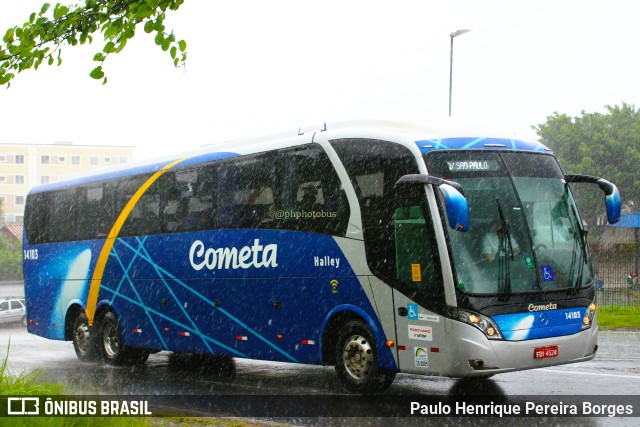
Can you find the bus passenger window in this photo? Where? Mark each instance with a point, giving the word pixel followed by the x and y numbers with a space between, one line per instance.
pixel 312 197
pixel 63 216
pixel 187 199
pixel 95 201
pixel 245 192
pixel 38 218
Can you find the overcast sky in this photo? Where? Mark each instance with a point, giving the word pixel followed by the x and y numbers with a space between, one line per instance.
pixel 259 66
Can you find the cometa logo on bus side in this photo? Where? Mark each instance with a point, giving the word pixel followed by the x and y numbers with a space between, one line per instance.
pixel 257 256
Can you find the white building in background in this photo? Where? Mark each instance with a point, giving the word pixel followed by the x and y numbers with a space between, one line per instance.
pixel 24 165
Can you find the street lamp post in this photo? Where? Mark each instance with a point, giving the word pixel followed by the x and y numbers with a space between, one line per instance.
pixel 452 35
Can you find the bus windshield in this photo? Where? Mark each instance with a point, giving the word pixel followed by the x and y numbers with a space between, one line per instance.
pixel 524 231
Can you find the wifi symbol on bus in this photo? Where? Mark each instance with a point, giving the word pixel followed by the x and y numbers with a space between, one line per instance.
pixel 334 286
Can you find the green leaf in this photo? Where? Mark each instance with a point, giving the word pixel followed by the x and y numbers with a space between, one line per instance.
pixel 8 36
pixel 144 11
pixel 45 8
pixel 50 60
pixel 121 45
pixel 182 45
pixel 97 73
pixel 59 11
pixel 109 47
pixel 111 31
pixel 173 52
pixel 148 27
pixel 99 57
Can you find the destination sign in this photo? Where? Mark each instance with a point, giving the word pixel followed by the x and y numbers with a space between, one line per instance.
pixel 474 166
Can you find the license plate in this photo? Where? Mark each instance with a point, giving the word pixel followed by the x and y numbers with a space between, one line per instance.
pixel 545 352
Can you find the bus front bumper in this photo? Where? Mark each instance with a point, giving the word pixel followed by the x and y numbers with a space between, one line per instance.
pixel 478 356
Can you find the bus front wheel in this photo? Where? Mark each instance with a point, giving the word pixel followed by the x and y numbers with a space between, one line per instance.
pixel 112 349
pixel 357 360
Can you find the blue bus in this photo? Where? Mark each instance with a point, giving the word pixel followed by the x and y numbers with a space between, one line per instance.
pixel 377 247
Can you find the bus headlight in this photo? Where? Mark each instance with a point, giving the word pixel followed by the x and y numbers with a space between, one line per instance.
pixel 588 316
pixel 484 323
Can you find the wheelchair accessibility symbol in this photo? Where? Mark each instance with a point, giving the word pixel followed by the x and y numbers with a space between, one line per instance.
pixel 547 273
pixel 412 311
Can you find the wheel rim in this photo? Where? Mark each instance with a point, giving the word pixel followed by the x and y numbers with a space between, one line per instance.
pixel 81 337
pixel 357 357
pixel 111 340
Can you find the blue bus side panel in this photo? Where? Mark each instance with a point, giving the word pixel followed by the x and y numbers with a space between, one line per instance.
pixel 56 276
pixel 272 312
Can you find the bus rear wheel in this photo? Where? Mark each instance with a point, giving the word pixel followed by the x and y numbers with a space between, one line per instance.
pixel 112 349
pixel 357 360
pixel 82 342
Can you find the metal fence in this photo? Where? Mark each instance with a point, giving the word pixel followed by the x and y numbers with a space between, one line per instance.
pixel 616 264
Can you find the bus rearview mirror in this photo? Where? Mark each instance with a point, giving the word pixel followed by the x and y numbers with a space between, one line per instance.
pixel 452 193
pixel 612 200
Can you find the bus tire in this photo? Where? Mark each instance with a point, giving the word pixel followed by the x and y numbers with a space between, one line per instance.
pixel 83 343
pixel 357 360
pixel 112 349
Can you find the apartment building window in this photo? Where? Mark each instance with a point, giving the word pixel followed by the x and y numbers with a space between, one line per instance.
pixel 19 159
pixel 123 160
pixel 93 160
pixel 19 200
pixel 44 179
pixel 61 160
pixel 3 179
pixel 19 179
pixel 75 160
pixel 44 160
pixel 3 158
pixel 107 160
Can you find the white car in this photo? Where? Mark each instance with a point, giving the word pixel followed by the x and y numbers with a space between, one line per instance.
pixel 12 310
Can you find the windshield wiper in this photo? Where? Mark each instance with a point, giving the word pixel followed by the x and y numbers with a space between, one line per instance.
pixel 505 252
pixel 582 241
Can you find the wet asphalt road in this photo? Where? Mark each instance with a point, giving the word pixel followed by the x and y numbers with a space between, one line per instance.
pixel 615 371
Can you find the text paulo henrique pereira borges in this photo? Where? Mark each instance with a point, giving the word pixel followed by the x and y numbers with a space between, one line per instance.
pixel 528 408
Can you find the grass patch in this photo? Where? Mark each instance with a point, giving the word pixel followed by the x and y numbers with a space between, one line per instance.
pixel 29 384
pixel 620 318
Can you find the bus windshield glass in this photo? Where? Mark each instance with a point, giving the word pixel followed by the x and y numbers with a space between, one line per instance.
pixel 524 231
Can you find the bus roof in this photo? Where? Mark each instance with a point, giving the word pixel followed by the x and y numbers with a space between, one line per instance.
pixel 438 136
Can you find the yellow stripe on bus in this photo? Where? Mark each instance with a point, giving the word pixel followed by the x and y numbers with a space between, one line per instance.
pixel 96 279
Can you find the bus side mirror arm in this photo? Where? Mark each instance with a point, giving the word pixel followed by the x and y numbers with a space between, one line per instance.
pixel 611 194
pixel 455 203
pixel 428 179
